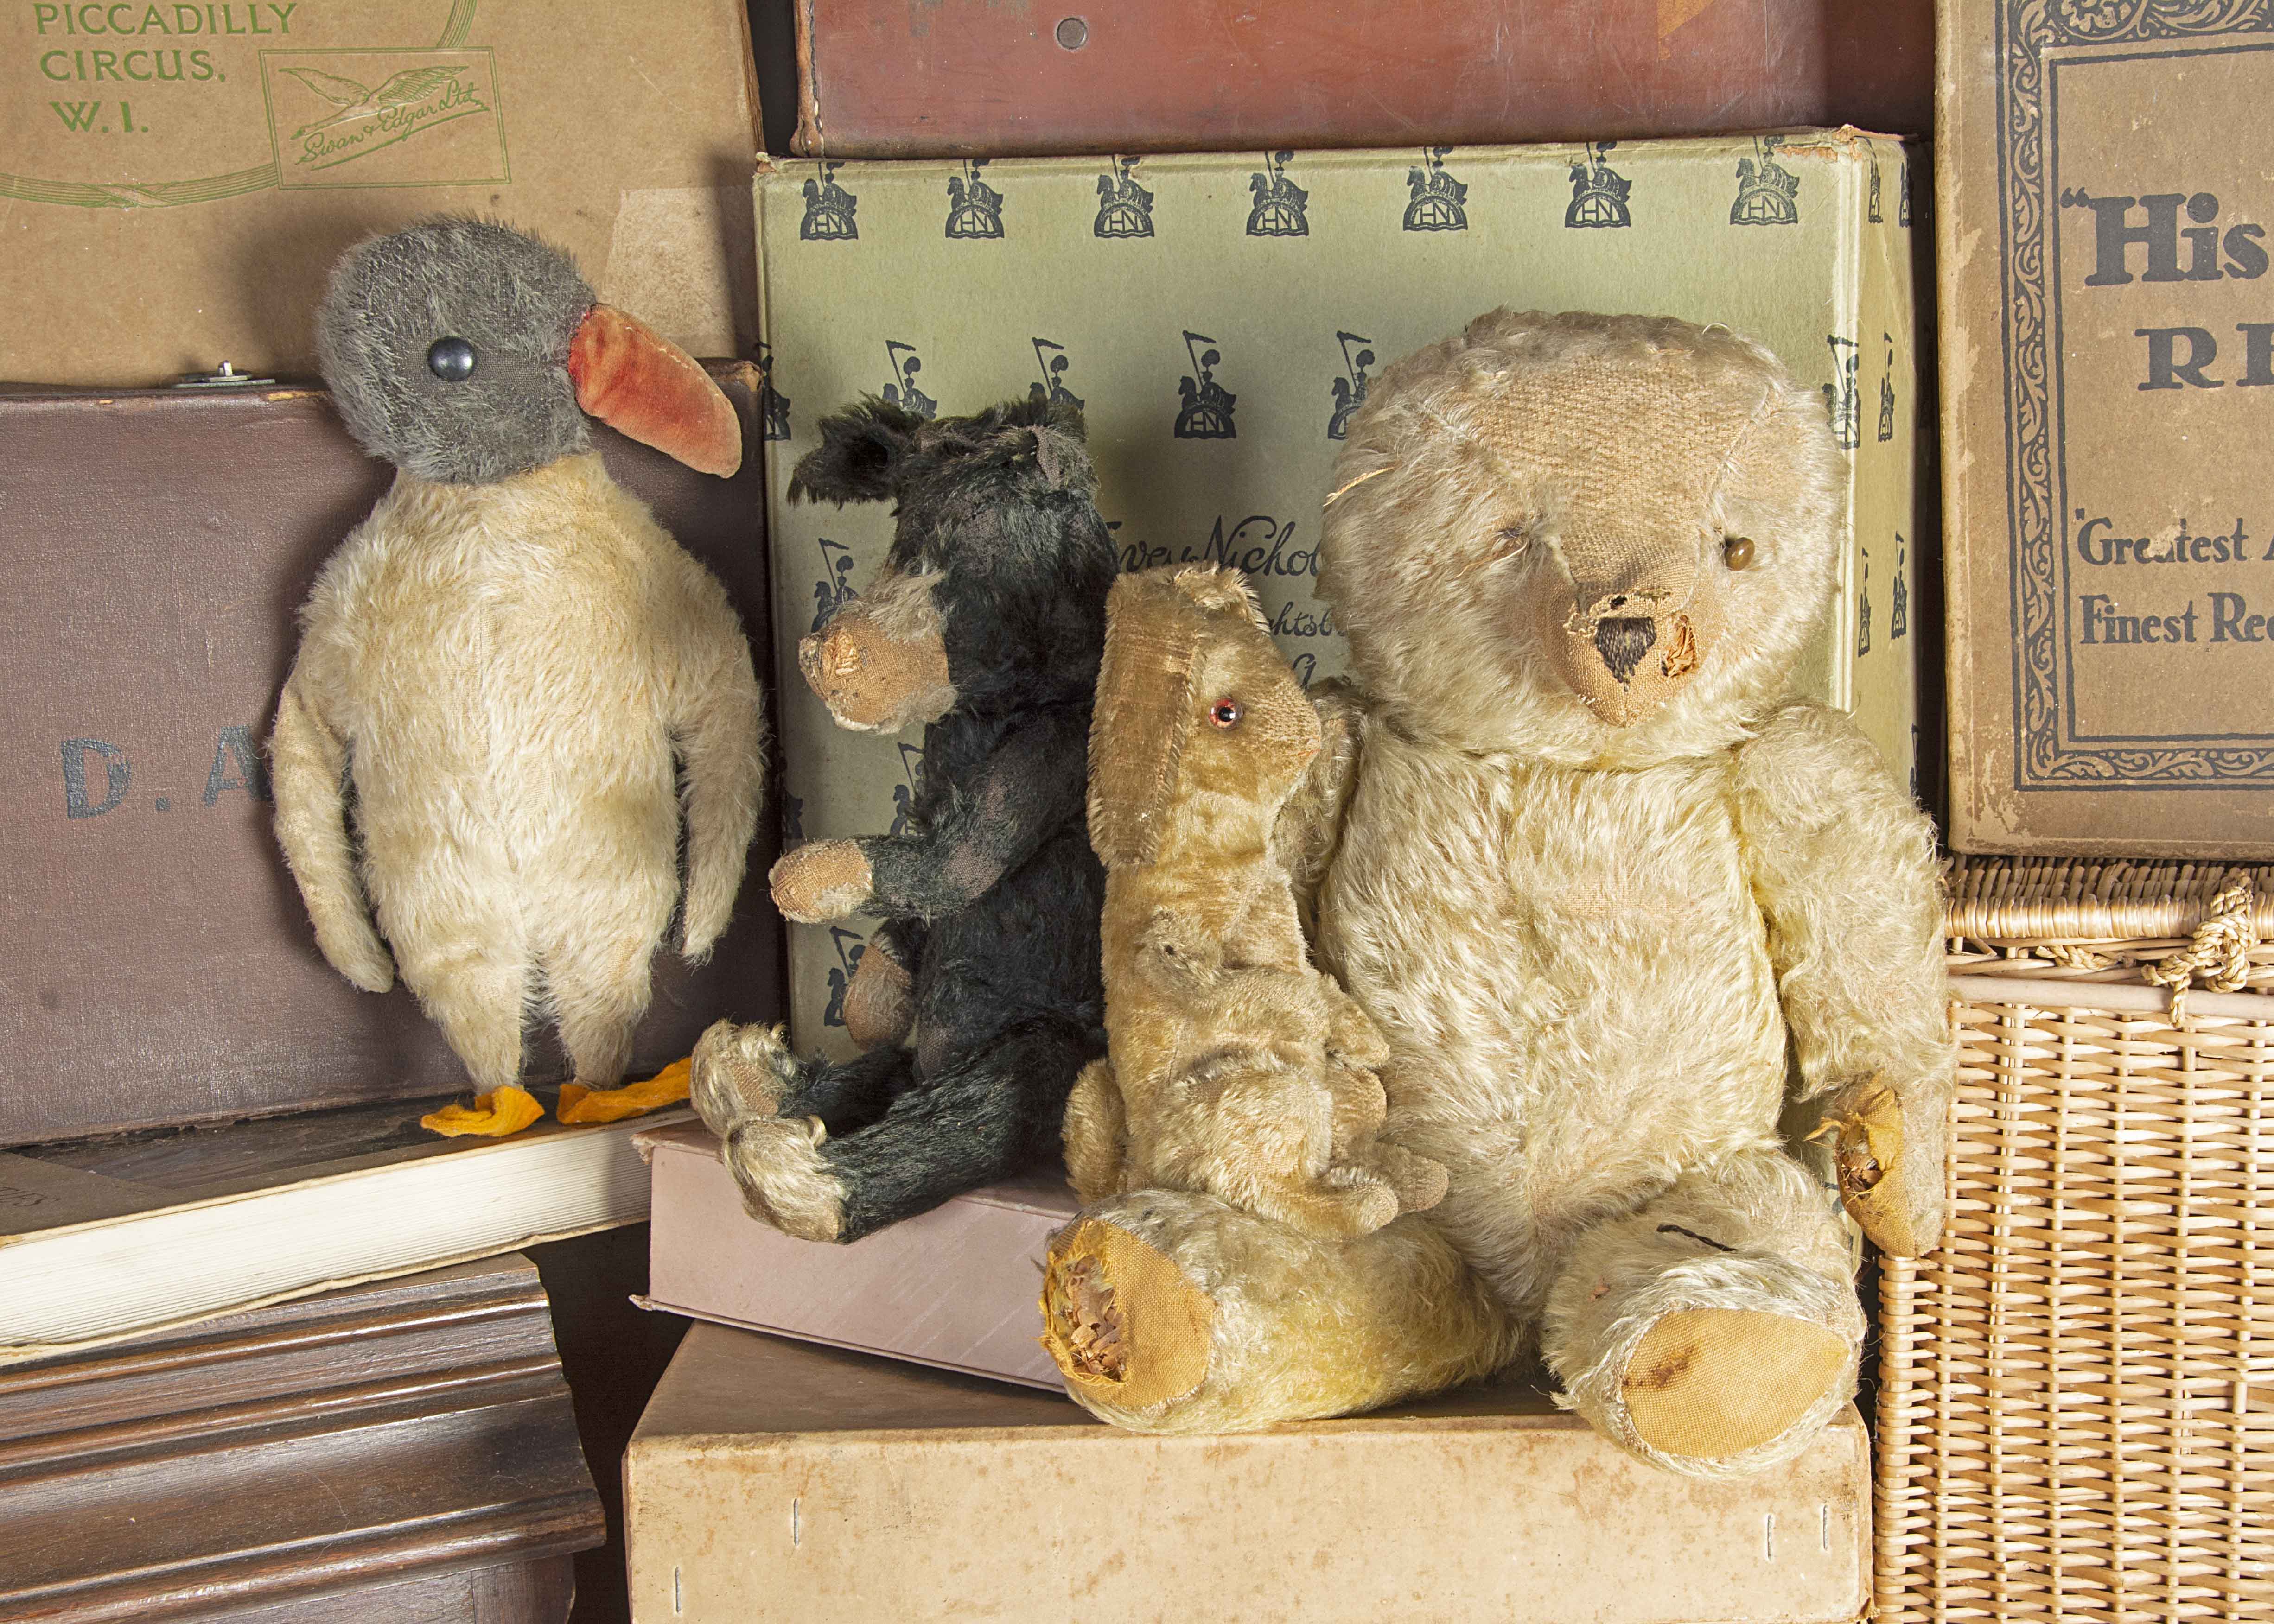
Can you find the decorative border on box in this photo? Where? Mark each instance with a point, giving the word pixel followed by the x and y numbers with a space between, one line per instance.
pixel 2045 761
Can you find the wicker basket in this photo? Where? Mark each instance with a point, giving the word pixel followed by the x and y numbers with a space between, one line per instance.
pixel 2076 1399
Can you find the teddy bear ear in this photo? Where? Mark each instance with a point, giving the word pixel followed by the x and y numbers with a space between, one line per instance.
pixel 859 450
pixel 1062 458
pixel 1145 706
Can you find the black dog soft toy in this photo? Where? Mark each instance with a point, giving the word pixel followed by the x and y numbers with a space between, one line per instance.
pixel 978 1001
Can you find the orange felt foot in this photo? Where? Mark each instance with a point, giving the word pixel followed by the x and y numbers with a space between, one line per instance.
pixel 667 1086
pixel 491 1116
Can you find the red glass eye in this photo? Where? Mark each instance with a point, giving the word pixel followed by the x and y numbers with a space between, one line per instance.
pixel 1225 713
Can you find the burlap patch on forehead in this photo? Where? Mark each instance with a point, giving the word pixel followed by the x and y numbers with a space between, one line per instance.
pixel 1652 435
pixel 1624 455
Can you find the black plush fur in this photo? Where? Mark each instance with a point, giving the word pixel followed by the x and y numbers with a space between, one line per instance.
pixel 992 901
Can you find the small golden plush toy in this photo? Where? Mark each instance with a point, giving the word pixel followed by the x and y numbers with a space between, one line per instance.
pixel 1233 1066
pixel 512 685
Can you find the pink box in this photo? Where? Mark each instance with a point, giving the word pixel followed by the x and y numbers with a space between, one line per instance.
pixel 957 1288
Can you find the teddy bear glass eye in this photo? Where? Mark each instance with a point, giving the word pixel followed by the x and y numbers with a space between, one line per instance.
pixel 1225 713
pixel 1737 552
pixel 450 359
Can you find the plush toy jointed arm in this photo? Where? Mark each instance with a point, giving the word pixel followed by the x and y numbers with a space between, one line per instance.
pixel 880 1001
pixel 1032 787
pixel 308 766
pixel 719 724
pixel 1843 866
pixel 1310 825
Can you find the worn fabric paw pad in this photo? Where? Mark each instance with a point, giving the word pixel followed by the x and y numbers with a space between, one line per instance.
pixel 1711 1382
pixel 1123 1324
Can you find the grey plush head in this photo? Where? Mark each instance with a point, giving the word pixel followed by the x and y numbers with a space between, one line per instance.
pixel 408 393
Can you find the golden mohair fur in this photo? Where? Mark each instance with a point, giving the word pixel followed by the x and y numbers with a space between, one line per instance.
pixel 504 673
pixel 1599 879
pixel 1232 1066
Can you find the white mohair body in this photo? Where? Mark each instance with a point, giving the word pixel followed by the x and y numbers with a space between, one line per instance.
pixel 515 677
pixel 1569 1035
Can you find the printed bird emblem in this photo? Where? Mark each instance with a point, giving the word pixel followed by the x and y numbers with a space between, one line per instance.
pixel 404 89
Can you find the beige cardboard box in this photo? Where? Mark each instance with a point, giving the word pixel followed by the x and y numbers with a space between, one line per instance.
pixel 777 1479
pixel 2108 336
pixel 1218 316
pixel 955 1287
pixel 176 179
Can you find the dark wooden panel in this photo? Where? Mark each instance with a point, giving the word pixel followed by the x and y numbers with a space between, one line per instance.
pixel 532 1593
pixel 378 1434
pixel 160 968
pixel 913 78
pixel 614 1354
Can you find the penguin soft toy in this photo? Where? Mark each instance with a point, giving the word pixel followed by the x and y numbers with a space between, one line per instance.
pixel 513 692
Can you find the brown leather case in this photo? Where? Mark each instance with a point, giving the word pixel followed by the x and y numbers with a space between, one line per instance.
pixel 883 78
pixel 403 1450
pixel 156 964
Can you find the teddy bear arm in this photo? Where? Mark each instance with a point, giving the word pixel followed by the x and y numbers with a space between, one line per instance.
pixel 1178 950
pixel 1031 788
pixel 1351 1033
pixel 1095 1134
pixel 1309 825
pixel 718 726
pixel 901 941
pixel 1843 868
pixel 1255 989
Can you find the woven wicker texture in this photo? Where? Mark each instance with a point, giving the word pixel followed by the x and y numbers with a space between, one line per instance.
pixel 2076 1407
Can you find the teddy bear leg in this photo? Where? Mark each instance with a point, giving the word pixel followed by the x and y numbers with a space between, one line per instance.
pixel 741 1074
pixel 1170 1311
pixel 1715 1330
pixel 1097 1150
pixel 988 1112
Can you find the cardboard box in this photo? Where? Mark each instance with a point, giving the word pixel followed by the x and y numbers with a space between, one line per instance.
pixel 956 1287
pixel 180 177
pixel 1271 288
pixel 2107 337
pixel 157 963
pixel 881 78
pixel 774 1479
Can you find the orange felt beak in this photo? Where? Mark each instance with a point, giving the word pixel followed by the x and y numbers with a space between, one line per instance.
pixel 646 387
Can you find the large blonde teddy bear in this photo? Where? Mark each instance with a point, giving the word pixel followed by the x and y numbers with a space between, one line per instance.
pixel 1608 887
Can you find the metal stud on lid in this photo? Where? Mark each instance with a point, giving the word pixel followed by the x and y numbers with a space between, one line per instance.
pixel 224 377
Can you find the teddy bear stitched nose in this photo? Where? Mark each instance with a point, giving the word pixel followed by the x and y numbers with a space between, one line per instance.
pixel 1623 641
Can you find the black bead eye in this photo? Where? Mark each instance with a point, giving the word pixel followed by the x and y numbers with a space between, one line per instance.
pixel 1737 552
pixel 1225 713
pixel 450 359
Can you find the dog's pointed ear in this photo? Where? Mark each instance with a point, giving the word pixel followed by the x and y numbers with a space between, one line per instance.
pixel 860 447
pixel 1066 419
